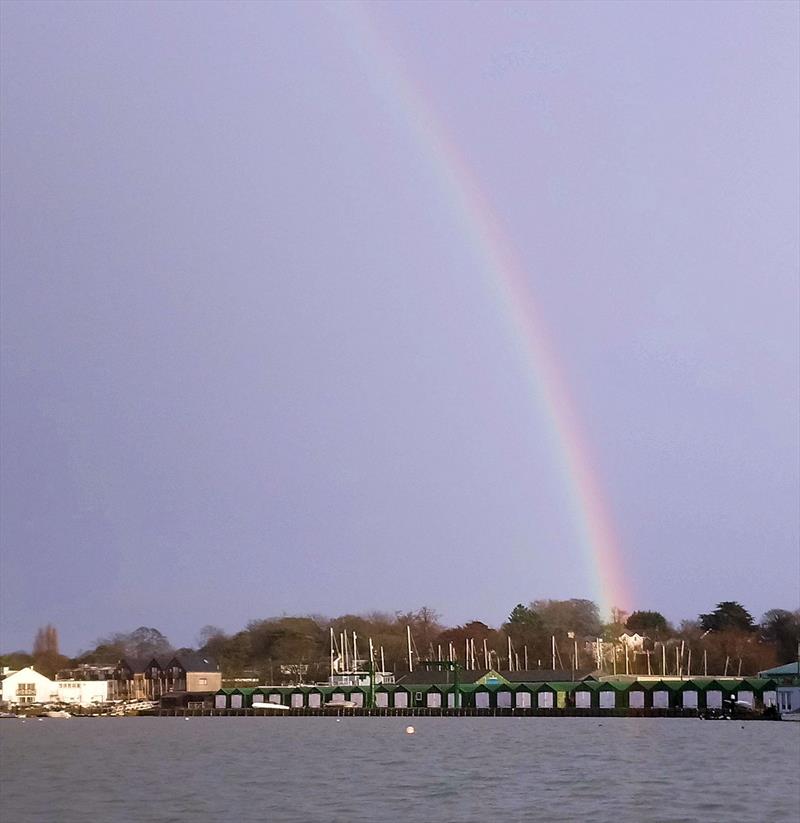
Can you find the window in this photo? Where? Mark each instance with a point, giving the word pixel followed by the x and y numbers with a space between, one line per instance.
pixel 26 689
pixel 203 681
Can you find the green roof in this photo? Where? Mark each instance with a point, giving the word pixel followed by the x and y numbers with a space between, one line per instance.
pixel 563 685
pixel 607 685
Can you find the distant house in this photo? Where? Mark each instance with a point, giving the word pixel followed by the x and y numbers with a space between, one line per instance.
pixel 134 678
pixel 28 686
pixel 151 679
pixel 633 641
pixel 192 672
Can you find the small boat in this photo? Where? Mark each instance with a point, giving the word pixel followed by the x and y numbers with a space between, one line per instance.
pixel 276 706
pixel 58 714
pixel 342 704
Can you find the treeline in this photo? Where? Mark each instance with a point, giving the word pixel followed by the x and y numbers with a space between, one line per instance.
pixel 561 634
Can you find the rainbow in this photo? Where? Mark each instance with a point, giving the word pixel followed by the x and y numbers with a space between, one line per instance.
pixel 508 280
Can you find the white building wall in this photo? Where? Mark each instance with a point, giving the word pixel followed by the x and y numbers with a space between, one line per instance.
pixel 504 700
pixel 788 698
pixel 29 686
pixel 523 700
pixel 636 699
pixel 660 699
pixel 608 700
pixel 689 699
pixel 544 700
pixel 82 692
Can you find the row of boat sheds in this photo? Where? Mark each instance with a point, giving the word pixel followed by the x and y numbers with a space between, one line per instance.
pixel 492 692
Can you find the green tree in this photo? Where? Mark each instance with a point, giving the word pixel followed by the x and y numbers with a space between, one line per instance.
pixel 558 617
pixel 728 616
pixel 523 616
pixel 781 629
pixel 651 624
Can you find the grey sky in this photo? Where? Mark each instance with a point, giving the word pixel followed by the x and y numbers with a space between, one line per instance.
pixel 251 364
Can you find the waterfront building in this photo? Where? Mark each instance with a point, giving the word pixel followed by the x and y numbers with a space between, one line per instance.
pixel 27 686
pixel 192 672
pixel 786 675
pixel 786 691
pixel 494 693
pixel 83 693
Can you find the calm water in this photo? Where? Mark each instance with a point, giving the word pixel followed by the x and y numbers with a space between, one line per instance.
pixel 453 770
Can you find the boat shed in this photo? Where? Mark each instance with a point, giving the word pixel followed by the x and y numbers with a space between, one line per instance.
pixel 638 695
pixel 546 696
pixel 763 690
pixel 384 695
pixel 222 698
pixel 585 694
pixel 524 695
pixel 662 695
pixel 611 694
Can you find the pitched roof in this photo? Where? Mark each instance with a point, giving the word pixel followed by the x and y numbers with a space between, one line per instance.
pixel 196 662
pixel 136 664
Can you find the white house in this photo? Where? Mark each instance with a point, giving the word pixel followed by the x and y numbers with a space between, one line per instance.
pixel 83 692
pixel 633 640
pixel 28 686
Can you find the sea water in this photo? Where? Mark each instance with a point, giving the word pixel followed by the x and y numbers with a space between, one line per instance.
pixel 454 770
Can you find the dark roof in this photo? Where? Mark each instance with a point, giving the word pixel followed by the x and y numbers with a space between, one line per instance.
pixel 196 662
pixel 548 675
pixel 438 677
pixel 425 677
pixel 136 665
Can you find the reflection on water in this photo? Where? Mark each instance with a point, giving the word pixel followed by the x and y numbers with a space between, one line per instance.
pixel 306 769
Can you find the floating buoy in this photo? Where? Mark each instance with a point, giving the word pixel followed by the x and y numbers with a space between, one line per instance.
pixel 338 719
pixel 410 730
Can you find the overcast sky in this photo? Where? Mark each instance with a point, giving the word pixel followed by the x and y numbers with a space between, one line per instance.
pixel 251 361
